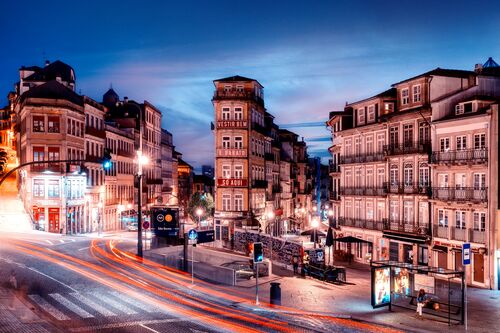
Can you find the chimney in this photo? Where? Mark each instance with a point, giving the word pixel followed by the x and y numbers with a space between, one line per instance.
pixel 47 62
pixel 478 68
pixel 125 99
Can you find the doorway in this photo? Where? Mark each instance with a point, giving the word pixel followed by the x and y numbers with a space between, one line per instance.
pixel 478 274
pixel 54 220
pixel 393 251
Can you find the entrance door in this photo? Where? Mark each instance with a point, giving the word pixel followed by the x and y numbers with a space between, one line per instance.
pixel 408 253
pixel 393 251
pixel 442 259
pixel 54 220
pixel 478 268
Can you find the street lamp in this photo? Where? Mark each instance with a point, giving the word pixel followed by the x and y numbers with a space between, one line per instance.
pixel 270 217
pixel 141 160
pixel 199 212
pixel 315 224
pixel 99 215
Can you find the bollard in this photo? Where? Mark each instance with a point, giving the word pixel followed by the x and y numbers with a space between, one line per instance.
pixel 275 293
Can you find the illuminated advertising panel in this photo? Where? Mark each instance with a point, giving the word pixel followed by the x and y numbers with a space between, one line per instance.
pixel 381 286
pixel 402 281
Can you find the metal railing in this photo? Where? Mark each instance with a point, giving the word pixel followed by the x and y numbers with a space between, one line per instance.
pixel 361 158
pixel 462 194
pixel 408 188
pixel 461 156
pixel 362 223
pixel 363 191
pixel 410 147
pixel 237 94
pixel 406 227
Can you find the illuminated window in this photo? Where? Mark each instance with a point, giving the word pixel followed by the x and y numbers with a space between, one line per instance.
pixel 53 188
pixel 39 188
pixel 38 124
pixel 238 202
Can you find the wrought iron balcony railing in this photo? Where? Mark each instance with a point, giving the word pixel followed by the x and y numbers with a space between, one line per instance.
pixel 362 223
pixel 461 194
pixel 363 191
pixel 361 158
pixel 422 188
pixel 410 147
pixel 475 156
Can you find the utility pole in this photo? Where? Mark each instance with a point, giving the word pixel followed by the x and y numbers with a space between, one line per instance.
pixel 139 197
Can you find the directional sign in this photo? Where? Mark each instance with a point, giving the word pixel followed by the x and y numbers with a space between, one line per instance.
pixel 466 254
pixel 192 236
pixel 145 225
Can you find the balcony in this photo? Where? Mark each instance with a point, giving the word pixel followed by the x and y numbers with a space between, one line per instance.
pixel 456 157
pixel 154 181
pixel 95 132
pixel 441 232
pixel 361 223
pixel 408 188
pixel 125 153
pixel 93 159
pixel 416 147
pixel 259 128
pixel 459 234
pixel 47 167
pixel 462 194
pixel 334 168
pixel 334 196
pixel 477 236
pixel 406 227
pixel 361 158
pixel 258 183
pixel 237 94
pixel 363 191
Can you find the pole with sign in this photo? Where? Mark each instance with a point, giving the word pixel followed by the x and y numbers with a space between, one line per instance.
pixel 192 239
pixel 258 257
pixel 465 262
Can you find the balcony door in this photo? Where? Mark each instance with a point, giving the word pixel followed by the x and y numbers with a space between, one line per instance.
pixel 408 135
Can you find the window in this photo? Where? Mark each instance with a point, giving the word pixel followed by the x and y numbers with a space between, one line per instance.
pixel 358 179
pixel 422 213
pixel 479 181
pixel 239 89
pixel 53 189
pixel 408 135
pixel 369 145
pixel 417 93
pixel 424 133
pixel 408 212
pixel 53 124
pixel 226 171
pixel 38 124
pixel 369 210
pixel 371 113
pixel 443 218
pixel 357 146
pixel 394 210
pixel 238 113
pixel 226 202
pixel 238 202
pixel 460 181
pixel 459 109
pixel 393 136
pixel 405 96
pixel 226 142
pixel 388 107
pixel 380 142
pixel 444 144
pixel 461 142
pixel 369 178
pixel 460 219
pixel 227 88
pixel 39 188
pixel 238 142
pixel 479 221
pixel 380 177
pixel 226 114
pixel 408 174
pixel 380 210
pixel 348 209
pixel 480 141
pixel 361 116
pixel 53 154
pixel 467 107
pixel 443 180
pixel 238 171
pixel 38 154
pixel 394 176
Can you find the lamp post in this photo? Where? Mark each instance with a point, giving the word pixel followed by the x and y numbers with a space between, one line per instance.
pixel 270 217
pixel 315 224
pixel 199 212
pixel 141 159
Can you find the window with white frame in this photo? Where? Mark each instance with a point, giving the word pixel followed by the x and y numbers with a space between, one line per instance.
pixel 238 142
pixel 443 217
pixel 388 107
pixel 424 132
pixel 238 171
pixel 238 202
pixel 408 212
pixel 348 209
pixel 460 181
pixel 461 142
pixel 394 136
pixel 369 177
pixel 348 148
pixel 38 188
pixel 408 174
pixel 417 96
pixel 228 88
pixel 444 144
pixel 348 178
pixel 380 210
pixel 226 113
pixel 357 146
pixel 369 144
pixel 226 142
pixel 443 179
pixel 479 181
pixel 394 174
pixel 359 178
pixel 369 210
pixel 226 202
pixel 238 113
pixel 357 209
pixel 405 96
pixel 380 142
pixel 371 113
pixel 479 221
pixel 422 213
pixel 361 116
pixel 479 141
pixel 394 210
pixel 423 174
pixel 239 88
pixel 226 171
pixel 460 219
pixel 380 177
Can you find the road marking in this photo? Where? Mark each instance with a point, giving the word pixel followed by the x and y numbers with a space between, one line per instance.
pixel 46 306
pixel 50 277
pixel 126 324
pixel 149 328
pixel 99 308
pixel 49 242
pixel 115 304
pixel 71 306
pixel 136 303
pixel 84 248
pixel 61 241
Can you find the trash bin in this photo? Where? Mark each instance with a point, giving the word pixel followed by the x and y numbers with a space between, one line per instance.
pixel 275 293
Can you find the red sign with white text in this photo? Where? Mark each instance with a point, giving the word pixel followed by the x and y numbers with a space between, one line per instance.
pixel 232 182
pixel 232 124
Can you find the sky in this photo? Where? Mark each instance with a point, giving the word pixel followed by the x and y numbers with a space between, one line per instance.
pixel 311 56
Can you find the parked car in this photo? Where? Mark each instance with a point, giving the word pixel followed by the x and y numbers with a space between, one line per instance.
pixel 132 226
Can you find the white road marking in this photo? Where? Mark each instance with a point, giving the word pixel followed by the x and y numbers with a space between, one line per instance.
pixel 46 306
pixel 49 242
pixel 84 248
pixel 149 328
pixel 99 308
pixel 61 241
pixel 113 303
pixel 50 277
pixel 136 303
pixel 71 306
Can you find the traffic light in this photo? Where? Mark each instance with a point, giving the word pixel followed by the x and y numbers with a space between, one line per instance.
pixel 106 159
pixel 258 252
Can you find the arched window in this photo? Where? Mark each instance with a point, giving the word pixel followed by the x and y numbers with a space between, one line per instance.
pixel 394 174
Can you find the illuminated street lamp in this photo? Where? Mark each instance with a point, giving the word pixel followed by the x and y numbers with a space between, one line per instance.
pixel 141 160
pixel 315 224
pixel 270 216
pixel 199 212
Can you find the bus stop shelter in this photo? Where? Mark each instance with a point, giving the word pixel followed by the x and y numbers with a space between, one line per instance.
pixel 397 284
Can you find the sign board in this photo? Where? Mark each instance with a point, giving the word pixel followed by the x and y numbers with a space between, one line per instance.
pixel 425 282
pixel 381 286
pixel 466 254
pixel 145 225
pixel 232 124
pixel 192 236
pixel 316 256
pixel 165 222
pixel 232 182
pixel 206 236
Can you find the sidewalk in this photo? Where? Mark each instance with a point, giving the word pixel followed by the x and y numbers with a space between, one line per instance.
pixel 353 299
pixel 15 316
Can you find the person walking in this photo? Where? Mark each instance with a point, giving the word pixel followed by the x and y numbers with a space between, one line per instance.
pixel 295 263
pixel 13 280
pixel 421 301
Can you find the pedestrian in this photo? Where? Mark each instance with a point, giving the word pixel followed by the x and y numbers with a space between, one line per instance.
pixel 13 280
pixel 421 301
pixel 295 263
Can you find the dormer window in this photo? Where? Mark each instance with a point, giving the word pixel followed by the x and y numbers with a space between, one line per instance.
pixel 361 116
pixel 405 96
pixel 388 107
pixel 417 93
pixel 239 89
pixel 459 109
pixel 371 113
pixel 463 108
pixel 227 88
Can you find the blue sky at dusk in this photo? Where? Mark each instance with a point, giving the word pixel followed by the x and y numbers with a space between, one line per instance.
pixel 311 56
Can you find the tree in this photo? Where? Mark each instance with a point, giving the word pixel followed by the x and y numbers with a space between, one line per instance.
pixel 205 201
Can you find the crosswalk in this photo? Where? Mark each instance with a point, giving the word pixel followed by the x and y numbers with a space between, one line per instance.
pixel 91 304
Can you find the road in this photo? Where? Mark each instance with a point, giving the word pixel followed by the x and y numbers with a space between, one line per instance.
pixel 85 284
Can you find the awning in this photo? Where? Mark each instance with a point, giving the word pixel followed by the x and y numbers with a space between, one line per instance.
pixel 311 232
pixel 440 248
pixel 405 237
pixel 351 239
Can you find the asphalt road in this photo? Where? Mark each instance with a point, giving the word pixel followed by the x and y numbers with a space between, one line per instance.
pixel 82 284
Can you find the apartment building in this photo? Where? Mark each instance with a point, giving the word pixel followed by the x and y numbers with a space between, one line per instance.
pixel 169 198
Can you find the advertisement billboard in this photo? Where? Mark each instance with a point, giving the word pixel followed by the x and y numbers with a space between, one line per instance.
pixel 381 286
pixel 402 281
pixel 424 282
pixel 165 222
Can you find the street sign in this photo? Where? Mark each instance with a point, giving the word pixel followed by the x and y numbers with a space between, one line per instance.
pixel 145 225
pixel 466 254
pixel 206 236
pixel 165 222
pixel 192 236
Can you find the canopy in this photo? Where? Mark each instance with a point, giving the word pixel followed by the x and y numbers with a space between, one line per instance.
pixel 351 239
pixel 311 232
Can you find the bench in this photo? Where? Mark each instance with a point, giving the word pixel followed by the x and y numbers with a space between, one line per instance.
pixel 455 310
